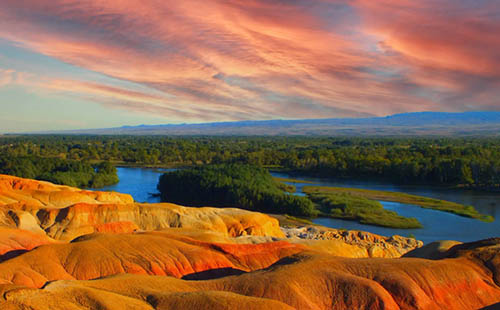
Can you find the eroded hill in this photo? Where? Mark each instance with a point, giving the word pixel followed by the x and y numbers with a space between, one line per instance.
pixel 64 248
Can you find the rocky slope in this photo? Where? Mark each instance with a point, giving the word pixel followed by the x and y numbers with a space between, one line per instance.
pixel 306 280
pixel 372 244
pixel 65 213
pixel 64 248
pixel 155 253
pixel 16 241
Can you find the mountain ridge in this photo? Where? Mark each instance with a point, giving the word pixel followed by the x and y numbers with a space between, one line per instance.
pixel 415 123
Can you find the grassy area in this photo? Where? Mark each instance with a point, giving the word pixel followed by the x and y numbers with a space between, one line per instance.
pixel 363 210
pixel 292 180
pixel 424 202
pixel 286 187
pixel 286 220
pixel 298 220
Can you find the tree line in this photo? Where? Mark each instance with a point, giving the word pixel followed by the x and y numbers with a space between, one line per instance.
pixel 471 162
pixel 60 171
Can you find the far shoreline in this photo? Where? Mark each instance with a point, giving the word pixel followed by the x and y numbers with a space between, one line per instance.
pixel 297 173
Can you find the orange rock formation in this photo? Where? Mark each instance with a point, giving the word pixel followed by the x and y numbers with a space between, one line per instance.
pixel 64 248
pixel 65 213
pixel 306 280
pixel 15 241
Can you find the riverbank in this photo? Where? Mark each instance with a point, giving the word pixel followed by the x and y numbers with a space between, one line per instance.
pixel 294 176
pixel 290 180
pixel 363 210
pixel 424 202
pixel 293 173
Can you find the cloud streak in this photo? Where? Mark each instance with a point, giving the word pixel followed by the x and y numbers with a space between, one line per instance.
pixel 199 60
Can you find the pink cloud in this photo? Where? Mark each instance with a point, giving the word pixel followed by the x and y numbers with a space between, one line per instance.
pixel 447 34
pixel 222 60
pixel 12 77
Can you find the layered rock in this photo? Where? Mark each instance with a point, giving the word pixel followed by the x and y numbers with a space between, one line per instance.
pixel 433 250
pixel 64 248
pixel 65 213
pixel 16 241
pixel 370 245
pixel 154 253
pixel 18 192
pixel 306 280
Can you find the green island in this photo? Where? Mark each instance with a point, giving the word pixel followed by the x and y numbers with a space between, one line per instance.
pixel 253 188
pixel 352 207
pixel 357 208
pixel 232 185
pixel 424 202
pixel 292 180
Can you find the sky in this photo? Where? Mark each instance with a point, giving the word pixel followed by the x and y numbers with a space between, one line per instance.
pixel 68 64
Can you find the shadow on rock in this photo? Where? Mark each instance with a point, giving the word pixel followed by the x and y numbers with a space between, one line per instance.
pixel 213 274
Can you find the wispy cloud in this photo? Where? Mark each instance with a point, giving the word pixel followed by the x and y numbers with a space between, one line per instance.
pixel 256 59
pixel 12 77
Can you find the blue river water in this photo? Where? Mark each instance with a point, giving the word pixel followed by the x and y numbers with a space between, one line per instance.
pixel 138 182
pixel 141 184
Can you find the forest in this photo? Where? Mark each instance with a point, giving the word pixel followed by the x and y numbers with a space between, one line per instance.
pixel 59 171
pixel 464 162
pixel 232 185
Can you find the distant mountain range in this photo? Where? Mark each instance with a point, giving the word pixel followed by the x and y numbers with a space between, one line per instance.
pixel 411 124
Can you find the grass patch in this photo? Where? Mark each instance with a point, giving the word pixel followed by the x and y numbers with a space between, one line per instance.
pixel 292 180
pixel 298 219
pixel 424 202
pixel 289 221
pixel 363 210
pixel 286 187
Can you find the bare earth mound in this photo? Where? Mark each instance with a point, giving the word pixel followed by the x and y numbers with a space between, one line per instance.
pixel 63 248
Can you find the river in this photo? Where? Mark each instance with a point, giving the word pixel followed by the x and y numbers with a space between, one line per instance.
pixel 138 182
pixel 141 183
